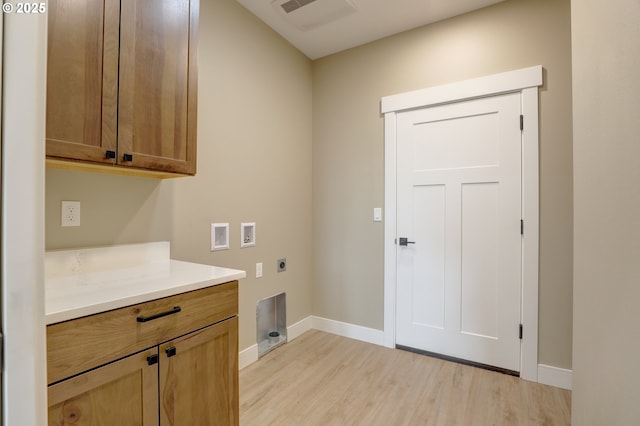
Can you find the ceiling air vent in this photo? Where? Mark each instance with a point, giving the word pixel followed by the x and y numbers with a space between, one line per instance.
pixel 307 14
pixel 292 5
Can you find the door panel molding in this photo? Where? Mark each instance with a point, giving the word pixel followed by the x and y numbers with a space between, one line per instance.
pixel 473 148
pixel 525 81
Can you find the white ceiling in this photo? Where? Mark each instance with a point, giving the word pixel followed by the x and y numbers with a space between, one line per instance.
pixel 372 20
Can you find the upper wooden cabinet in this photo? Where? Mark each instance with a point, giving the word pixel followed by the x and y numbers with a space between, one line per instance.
pixel 122 83
pixel 82 79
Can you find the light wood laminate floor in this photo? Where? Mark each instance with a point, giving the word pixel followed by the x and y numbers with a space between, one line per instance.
pixel 323 379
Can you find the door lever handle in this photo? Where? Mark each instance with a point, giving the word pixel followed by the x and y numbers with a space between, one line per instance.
pixel 405 241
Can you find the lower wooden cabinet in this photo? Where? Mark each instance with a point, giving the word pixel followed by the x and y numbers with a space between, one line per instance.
pixel 189 379
pixel 122 393
pixel 198 377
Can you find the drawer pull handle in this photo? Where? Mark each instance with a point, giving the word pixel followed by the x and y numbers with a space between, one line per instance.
pixel 175 310
pixel 171 351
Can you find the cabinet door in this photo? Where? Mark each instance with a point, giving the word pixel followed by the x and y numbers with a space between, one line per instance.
pixel 121 393
pixel 82 73
pixel 199 377
pixel 158 91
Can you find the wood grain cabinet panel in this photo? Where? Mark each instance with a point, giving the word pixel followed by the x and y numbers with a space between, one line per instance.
pixel 158 93
pixel 122 83
pixel 122 393
pixel 198 385
pixel 82 79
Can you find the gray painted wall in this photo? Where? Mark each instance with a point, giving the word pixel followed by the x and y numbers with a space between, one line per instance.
pixel 606 111
pixel 348 172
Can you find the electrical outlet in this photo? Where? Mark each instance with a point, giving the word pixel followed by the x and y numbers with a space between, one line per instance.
pixel 282 265
pixel 70 213
pixel 259 270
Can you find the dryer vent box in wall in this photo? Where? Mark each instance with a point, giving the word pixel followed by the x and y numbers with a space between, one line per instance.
pixel 271 314
pixel 219 236
pixel 247 234
pixel 308 14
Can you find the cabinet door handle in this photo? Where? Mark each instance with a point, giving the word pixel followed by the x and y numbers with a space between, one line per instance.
pixel 110 154
pixel 170 351
pixel 152 359
pixel 172 311
pixel 127 157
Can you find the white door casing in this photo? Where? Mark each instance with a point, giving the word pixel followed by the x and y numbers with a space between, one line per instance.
pixel 23 177
pixel 458 198
pixel 526 82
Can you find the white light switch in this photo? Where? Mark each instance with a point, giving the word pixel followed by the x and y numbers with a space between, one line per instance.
pixel 377 214
pixel 259 270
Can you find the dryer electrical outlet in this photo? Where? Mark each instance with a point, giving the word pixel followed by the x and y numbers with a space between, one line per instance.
pixel 282 264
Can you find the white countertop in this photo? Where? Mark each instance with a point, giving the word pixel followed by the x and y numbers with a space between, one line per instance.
pixel 88 281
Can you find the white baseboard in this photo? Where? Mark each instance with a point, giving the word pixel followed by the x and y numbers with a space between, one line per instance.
pixel 299 328
pixel 248 356
pixel 547 375
pixel 351 331
pixel 554 376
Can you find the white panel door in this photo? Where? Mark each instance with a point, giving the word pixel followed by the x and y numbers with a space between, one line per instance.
pixel 459 206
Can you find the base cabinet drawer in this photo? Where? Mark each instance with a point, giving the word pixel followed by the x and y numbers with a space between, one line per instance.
pixel 190 379
pixel 84 343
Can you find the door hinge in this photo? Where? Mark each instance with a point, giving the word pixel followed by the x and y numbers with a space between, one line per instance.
pixel 520 332
pixel 521 226
pixel 521 122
